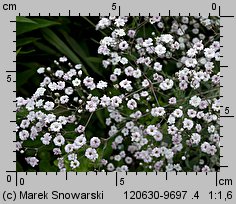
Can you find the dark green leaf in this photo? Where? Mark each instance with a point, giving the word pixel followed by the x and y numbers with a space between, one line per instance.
pixel 23 27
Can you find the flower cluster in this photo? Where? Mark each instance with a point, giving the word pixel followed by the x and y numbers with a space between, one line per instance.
pixel 161 100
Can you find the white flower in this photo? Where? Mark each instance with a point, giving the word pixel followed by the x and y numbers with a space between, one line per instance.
pixel 74 164
pixel 88 82
pixel 24 124
pixel 166 38
pixel 69 148
pixel 60 85
pixel 117 71
pixel 145 83
pixel 137 73
pixel 95 142
pixel 56 127
pixel 190 62
pixel 46 138
pixel 72 156
pixel 192 113
pixel 78 66
pixel 64 99
pixel 158 111
pixel 91 106
pixel 63 59
pixel 41 70
pixel 195 101
pixel 209 53
pixel 195 138
pixel 148 42
pixel 76 82
pixel 191 52
pixel 132 104
pixel 48 106
pixel 116 101
pixel 123 45
pixel 135 136
pixel 24 135
pixel 156 152
pixel 91 154
pixel 105 101
pixel 129 71
pixel 40 92
pixel 119 22
pixel 33 161
pixel 79 141
pixel 188 124
pixel 101 84
pixel 169 154
pixel 178 113
pixel 103 23
pixel 166 84
pixel 151 130
pixel 160 49
pixel 69 91
pixel 126 84
pixel 158 136
pixel 205 146
pixel 172 100
pixel 59 140
pixel 198 45
pixel 157 66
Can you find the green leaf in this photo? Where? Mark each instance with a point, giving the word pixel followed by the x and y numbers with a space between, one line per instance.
pixel 100 116
pixel 24 27
pixel 79 50
pixel 24 41
pixel 23 77
pixel 26 52
pixel 18 51
pixel 54 40
pixel 19 167
pixel 21 19
pixel 46 49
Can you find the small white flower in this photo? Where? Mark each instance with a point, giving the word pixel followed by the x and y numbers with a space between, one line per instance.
pixel 195 138
pixel 151 130
pixel 91 154
pixel 145 83
pixel 166 84
pixel 74 164
pixel 195 101
pixel 123 45
pixel 41 70
pixel 166 38
pixel 64 99
pixel 59 140
pixel 76 82
pixel 158 111
pixel 69 148
pixel 116 101
pixel 46 138
pixel 33 161
pixel 24 135
pixel 95 142
pixel 157 66
pixel 101 84
pixel 79 141
pixel 188 124
pixel 55 126
pixel 48 106
pixel 160 49
pixel 209 53
pixel 132 104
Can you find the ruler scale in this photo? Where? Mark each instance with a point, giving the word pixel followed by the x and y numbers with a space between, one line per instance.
pixel 126 187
